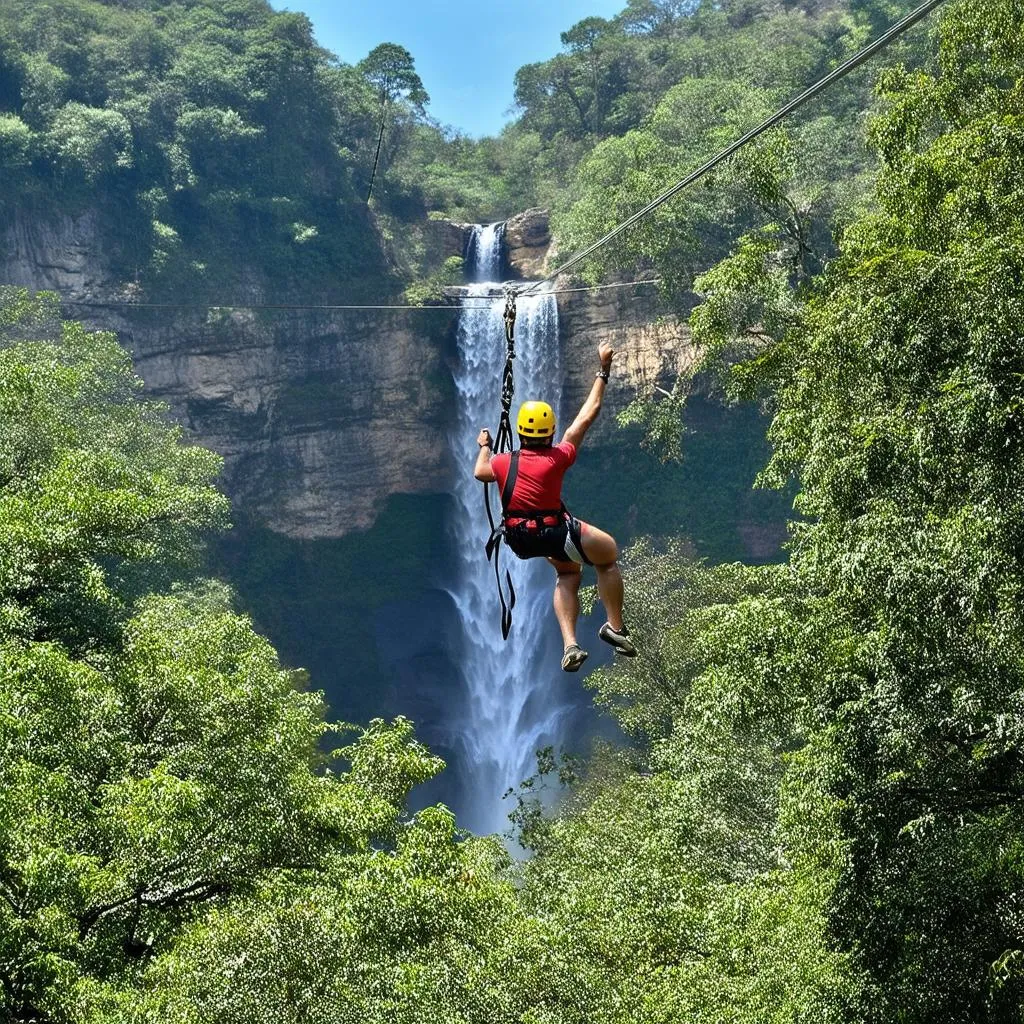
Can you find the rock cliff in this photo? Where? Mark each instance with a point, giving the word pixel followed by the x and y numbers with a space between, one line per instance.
pixel 333 426
pixel 57 253
pixel 321 415
pixel 444 238
pixel 652 347
pixel 528 241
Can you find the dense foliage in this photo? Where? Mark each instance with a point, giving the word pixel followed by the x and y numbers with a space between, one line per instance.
pixel 163 794
pixel 872 689
pixel 199 130
pixel 698 77
pixel 205 129
pixel 818 815
pixel 632 102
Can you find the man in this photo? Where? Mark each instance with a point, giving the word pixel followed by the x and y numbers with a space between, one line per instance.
pixel 537 524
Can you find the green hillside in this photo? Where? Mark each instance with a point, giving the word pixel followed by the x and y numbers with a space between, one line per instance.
pixel 817 814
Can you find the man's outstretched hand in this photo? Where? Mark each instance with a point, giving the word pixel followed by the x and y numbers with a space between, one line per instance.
pixel 605 353
pixel 484 438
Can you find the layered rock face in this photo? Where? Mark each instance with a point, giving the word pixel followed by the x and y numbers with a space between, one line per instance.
pixel 446 238
pixel 321 415
pixel 63 254
pixel 528 241
pixel 651 348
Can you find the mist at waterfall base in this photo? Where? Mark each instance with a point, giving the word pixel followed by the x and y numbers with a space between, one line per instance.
pixel 513 699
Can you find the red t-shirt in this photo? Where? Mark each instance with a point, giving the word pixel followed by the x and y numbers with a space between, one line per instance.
pixel 539 483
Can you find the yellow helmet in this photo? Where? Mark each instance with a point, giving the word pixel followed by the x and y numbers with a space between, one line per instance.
pixel 536 420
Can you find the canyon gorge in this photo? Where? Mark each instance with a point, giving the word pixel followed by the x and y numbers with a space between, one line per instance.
pixel 334 426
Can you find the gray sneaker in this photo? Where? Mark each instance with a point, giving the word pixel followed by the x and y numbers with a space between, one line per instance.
pixel 572 659
pixel 619 639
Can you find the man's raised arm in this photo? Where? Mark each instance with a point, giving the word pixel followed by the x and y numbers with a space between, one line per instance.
pixel 592 406
pixel 482 470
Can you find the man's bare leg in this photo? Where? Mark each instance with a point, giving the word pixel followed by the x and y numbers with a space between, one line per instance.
pixel 609 586
pixel 601 549
pixel 567 599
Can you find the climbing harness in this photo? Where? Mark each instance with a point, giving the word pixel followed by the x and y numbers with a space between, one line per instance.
pixel 530 533
pixel 503 443
pixel 539 532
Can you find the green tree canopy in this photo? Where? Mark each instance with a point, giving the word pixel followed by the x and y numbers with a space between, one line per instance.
pixel 390 69
pixel 224 122
pixel 167 805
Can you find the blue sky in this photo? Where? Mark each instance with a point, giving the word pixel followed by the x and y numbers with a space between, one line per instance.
pixel 466 53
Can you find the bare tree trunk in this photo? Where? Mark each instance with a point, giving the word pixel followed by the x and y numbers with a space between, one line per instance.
pixel 380 138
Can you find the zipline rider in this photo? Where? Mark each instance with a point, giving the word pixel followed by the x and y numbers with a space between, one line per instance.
pixel 537 525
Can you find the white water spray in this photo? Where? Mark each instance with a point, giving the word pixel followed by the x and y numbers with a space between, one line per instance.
pixel 512 696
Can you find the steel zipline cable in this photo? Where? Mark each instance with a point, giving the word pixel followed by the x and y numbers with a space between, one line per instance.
pixel 480 301
pixel 834 76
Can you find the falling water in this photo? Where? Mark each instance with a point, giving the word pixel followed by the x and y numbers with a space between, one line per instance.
pixel 512 698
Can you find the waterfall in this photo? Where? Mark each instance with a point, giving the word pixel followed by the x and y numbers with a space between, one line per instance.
pixel 513 699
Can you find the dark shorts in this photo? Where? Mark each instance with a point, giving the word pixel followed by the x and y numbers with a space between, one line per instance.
pixel 562 541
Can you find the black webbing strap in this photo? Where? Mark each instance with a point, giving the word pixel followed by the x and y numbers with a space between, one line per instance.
pixel 503 443
pixel 498 532
pixel 510 483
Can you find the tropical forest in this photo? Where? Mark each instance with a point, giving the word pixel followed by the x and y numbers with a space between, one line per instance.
pixel 267 321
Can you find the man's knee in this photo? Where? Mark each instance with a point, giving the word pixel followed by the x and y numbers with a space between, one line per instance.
pixel 567 571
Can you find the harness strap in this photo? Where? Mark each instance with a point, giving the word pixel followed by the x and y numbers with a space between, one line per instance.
pixel 535 513
pixel 510 483
pixel 503 443
pixel 492 547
